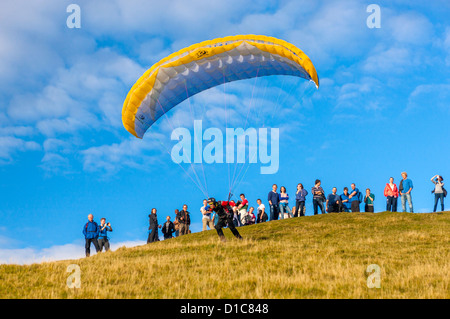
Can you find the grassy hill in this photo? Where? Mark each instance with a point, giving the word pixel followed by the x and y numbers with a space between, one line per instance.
pixel 324 256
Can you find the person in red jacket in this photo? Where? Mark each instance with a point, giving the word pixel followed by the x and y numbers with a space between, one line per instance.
pixel 391 193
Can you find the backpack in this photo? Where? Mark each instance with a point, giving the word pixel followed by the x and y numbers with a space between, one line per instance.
pixel 360 197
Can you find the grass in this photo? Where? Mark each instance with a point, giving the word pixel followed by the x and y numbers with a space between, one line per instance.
pixel 324 256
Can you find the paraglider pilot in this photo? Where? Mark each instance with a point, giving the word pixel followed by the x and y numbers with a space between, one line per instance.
pixel 224 210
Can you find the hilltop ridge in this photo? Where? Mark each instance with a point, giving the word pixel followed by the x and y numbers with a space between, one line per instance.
pixel 323 256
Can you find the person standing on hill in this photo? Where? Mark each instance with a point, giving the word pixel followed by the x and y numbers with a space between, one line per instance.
pixel 300 199
pixel 274 200
pixel 406 186
pixel 438 191
pixel 240 210
pixel 251 218
pixel 346 205
pixel 206 216
pixel 168 229
pixel 354 199
pixel 176 223
pixel 224 212
pixel 333 202
pixel 153 228
pixel 103 240
pixel 261 215
pixel 318 197
pixel 368 200
pixel 391 194
pixel 91 232
pixel 284 203
pixel 185 220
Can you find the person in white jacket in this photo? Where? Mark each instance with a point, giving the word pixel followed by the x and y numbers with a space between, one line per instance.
pixel 438 191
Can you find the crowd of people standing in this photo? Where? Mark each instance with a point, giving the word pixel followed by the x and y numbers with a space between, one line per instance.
pixel 243 214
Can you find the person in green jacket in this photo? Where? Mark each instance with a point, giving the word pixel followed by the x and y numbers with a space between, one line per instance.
pixel 368 200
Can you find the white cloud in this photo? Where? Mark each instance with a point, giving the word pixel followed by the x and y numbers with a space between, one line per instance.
pixel 17 130
pixel 10 145
pixel 430 96
pixel 411 28
pixel 335 29
pixel 25 256
pixel 447 46
pixel 177 18
pixel 390 61
pixel 133 152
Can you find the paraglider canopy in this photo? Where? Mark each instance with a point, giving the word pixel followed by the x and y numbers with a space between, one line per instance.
pixel 205 65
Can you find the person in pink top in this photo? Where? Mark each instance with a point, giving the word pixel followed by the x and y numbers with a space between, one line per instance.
pixel 391 193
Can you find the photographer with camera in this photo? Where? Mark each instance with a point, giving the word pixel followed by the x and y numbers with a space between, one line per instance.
pixel 439 191
pixel 103 240
pixel 224 211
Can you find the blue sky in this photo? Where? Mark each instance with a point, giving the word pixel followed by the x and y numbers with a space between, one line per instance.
pixel 382 108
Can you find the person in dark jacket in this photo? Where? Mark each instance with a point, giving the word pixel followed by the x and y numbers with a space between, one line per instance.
pixel 318 197
pixel 153 228
pixel 185 220
pixel 300 198
pixel 168 228
pixel 274 201
pixel 91 232
pixel 225 214
pixel 334 202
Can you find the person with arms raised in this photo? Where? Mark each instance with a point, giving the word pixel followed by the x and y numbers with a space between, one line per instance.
pixel 439 191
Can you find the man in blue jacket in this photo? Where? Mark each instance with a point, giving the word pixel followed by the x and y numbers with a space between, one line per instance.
pixel 354 199
pixel 91 232
pixel 103 240
pixel 345 198
pixel 405 192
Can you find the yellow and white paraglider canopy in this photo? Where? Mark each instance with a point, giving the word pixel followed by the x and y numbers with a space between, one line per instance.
pixel 205 65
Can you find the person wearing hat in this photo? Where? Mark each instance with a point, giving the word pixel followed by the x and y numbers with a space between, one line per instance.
pixel 224 211
pixel 438 191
